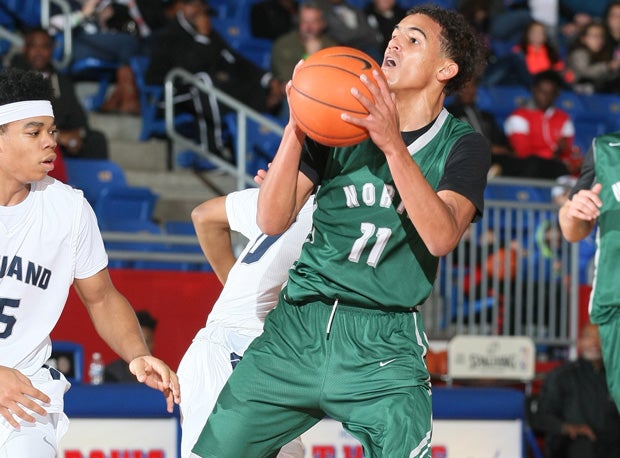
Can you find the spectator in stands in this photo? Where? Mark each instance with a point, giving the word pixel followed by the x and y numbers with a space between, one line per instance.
pixel 350 27
pixel 540 133
pixel 118 371
pixel 465 108
pixel 75 136
pixel 496 20
pixel 384 15
pixel 612 21
pixel 535 53
pixel 592 62
pixel 191 43
pixel 574 409
pixel 298 44
pixel 594 204
pixel 594 9
pixel 271 19
pixel 111 31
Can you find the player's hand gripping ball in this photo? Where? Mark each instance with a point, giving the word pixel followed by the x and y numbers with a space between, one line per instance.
pixel 321 91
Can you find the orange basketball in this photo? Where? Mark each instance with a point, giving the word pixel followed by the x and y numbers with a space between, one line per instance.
pixel 321 91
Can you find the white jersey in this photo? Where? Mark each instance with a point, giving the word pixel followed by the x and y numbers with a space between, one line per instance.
pixel 237 317
pixel 252 287
pixel 45 242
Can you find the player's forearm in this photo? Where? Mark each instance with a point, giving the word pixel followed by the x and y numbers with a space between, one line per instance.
pixel 278 199
pixel 116 323
pixel 217 247
pixel 440 221
pixel 574 229
pixel 213 231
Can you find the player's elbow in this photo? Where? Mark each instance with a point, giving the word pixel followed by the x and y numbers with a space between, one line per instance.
pixel 199 214
pixel 270 226
pixel 441 246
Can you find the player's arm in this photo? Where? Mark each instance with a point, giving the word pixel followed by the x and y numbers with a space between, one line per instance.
pixel 284 190
pixel 579 214
pixel 213 231
pixel 440 218
pixel 116 323
pixel 17 393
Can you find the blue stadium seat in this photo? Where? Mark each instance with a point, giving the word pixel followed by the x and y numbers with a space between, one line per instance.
pixel 151 99
pixel 121 205
pixel 179 228
pixel 92 69
pixel 586 128
pixel 75 354
pixel 572 103
pixel 93 175
pixel 262 143
pixel 186 228
pixel 502 100
pixel 517 193
pixel 234 26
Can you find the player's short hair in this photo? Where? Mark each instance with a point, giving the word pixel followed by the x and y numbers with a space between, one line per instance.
pixel 459 41
pixel 18 85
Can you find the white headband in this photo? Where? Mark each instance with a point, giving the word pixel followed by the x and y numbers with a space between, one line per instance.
pixel 21 110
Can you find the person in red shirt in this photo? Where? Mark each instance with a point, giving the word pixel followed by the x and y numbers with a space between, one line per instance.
pixel 540 133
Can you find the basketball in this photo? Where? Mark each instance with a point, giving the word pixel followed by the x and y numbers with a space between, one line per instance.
pixel 321 91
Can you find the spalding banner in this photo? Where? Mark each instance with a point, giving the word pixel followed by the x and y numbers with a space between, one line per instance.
pixel 491 357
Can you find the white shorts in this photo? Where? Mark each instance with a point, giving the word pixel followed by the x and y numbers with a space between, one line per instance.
pixel 203 372
pixel 39 439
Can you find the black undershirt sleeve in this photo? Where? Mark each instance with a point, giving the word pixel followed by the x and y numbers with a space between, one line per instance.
pixel 466 170
pixel 313 161
pixel 586 177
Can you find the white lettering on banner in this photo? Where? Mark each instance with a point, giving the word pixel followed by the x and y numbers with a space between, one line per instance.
pixel 451 439
pixel 120 438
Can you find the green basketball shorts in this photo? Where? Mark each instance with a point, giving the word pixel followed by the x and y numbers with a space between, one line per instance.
pixel 362 367
pixel 609 330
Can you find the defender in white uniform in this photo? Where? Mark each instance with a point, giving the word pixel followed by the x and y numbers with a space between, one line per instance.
pixel 251 288
pixel 49 240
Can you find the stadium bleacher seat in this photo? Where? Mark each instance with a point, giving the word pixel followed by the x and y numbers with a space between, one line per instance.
pixel 234 26
pixel 94 175
pixel 262 143
pixel 92 69
pixel 73 366
pixel 151 98
pixel 118 206
pixel 501 100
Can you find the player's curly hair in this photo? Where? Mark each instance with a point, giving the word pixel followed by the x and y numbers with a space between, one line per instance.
pixel 18 85
pixel 459 41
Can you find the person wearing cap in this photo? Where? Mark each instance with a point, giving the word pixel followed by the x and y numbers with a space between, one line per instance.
pixel 190 42
pixel 118 371
pixel 49 240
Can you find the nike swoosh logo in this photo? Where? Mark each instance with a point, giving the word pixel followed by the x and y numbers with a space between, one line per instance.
pixel 385 363
pixel 614 143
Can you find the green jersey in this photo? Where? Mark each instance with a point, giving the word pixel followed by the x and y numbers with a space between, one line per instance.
pixel 363 249
pixel 607 172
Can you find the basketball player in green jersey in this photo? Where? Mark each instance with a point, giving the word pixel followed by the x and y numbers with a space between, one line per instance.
pixel 346 338
pixel 596 198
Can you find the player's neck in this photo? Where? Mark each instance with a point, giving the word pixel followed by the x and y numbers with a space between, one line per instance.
pixel 13 193
pixel 418 111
